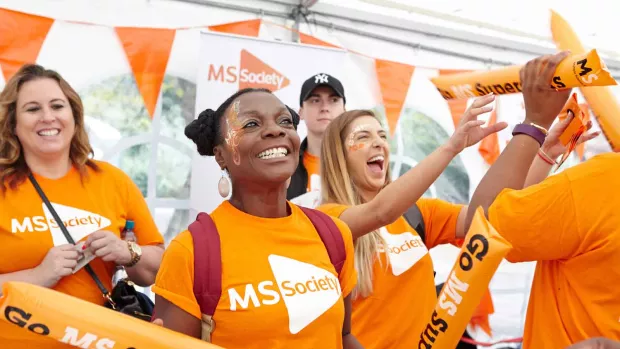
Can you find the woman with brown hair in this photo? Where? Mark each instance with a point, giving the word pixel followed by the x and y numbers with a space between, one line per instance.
pixel 43 142
pixel 393 227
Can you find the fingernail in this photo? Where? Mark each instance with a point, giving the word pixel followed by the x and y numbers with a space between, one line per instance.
pixel 83 247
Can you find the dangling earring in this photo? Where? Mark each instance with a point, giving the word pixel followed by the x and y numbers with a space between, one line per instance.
pixel 223 186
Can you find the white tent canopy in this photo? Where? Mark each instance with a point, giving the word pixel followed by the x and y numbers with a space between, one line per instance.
pixel 468 34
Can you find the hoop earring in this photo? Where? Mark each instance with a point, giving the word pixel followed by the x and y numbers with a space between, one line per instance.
pixel 223 186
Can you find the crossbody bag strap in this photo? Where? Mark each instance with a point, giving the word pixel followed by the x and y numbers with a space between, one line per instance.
pixel 68 236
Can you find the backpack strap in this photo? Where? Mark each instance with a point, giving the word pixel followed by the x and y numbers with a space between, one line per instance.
pixel 207 270
pixel 330 235
pixel 413 216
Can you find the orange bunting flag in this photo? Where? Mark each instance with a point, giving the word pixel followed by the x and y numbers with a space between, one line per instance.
pixel 247 28
pixel 311 40
pixel 394 80
pixel 148 51
pixel 21 38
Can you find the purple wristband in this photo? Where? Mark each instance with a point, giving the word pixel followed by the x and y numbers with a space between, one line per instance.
pixel 531 131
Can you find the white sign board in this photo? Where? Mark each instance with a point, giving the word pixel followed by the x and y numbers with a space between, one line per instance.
pixel 229 63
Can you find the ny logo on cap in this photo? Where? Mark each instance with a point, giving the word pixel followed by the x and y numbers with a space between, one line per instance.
pixel 321 79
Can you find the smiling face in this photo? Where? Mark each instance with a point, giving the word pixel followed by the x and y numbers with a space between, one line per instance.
pixel 367 154
pixel 260 144
pixel 44 120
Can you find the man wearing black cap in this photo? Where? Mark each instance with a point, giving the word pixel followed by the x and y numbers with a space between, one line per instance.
pixel 321 100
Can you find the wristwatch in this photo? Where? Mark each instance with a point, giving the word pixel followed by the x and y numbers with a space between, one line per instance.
pixel 537 132
pixel 136 253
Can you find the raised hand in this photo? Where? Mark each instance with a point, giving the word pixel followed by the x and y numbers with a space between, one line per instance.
pixel 542 102
pixel 469 130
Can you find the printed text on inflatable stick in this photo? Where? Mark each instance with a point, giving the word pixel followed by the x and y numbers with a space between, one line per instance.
pixel 72 336
pixel 453 291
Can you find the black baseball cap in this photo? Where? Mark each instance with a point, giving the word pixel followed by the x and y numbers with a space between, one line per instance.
pixel 317 80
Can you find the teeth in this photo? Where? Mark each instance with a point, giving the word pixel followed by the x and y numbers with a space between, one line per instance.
pixel 376 158
pixel 48 132
pixel 273 153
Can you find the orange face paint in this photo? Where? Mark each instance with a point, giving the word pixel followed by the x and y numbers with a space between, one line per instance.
pixel 354 144
pixel 234 131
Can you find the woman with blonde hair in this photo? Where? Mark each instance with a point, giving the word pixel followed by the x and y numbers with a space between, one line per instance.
pixel 393 227
pixel 44 151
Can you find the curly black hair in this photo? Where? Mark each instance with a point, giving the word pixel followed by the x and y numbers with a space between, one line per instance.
pixel 205 130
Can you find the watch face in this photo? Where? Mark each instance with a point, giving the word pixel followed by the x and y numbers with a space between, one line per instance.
pixel 137 249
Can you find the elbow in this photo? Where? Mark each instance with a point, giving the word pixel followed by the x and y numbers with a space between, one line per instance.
pixel 148 279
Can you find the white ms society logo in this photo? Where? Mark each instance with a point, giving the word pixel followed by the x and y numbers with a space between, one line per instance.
pixel 79 223
pixel 307 291
pixel 404 250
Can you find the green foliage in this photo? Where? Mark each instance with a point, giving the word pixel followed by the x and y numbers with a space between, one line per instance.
pixel 117 102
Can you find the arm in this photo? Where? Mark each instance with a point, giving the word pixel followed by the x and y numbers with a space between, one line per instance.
pixel 348 340
pixel 177 319
pixel 551 150
pixel 542 105
pixel 596 343
pixel 539 170
pixel 57 263
pixel 144 272
pixel 29 276
pixel 460 223
pixel 393 200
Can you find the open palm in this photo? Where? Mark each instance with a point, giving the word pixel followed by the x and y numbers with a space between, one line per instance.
pixel 469 130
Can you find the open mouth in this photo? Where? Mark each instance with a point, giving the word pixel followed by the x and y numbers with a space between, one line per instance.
pixel 375 164
pixel 49 132
pixel 273 153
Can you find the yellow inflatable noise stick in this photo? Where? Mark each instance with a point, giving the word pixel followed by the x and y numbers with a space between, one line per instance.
pixel 601 100
pixel 48 314
pixel 577 70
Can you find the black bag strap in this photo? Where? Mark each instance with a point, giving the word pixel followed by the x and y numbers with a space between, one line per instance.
pixel 416 221
pixel 68 236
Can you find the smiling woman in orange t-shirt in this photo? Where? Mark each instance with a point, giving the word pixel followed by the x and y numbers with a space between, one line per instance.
pixel 279 288
pixel 42 133
pixel 395 294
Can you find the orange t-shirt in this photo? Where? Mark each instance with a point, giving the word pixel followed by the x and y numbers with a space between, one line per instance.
pixel 404 294
pixel 570 224
pixel 27 230
pixel 313 166
pixel 279 288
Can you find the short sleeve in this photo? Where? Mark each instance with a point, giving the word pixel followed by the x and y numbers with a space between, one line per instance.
pixel 138 211
pixel 440 219
pixel 348 275
pixel 334 210
pixel 175 279
pixel 539 221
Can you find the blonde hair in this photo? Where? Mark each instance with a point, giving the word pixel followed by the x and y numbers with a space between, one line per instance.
pixel 13 167
pixel 337 187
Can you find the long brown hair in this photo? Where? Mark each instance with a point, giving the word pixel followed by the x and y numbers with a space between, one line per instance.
pixel 13 167
pixel 337 187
